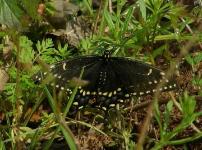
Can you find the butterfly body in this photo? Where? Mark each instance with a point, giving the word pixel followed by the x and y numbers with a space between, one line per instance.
pixel 110 80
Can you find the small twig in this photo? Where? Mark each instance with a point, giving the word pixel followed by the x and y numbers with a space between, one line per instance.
pixel 110 6
pixel 190 30
pixel 144 128
pixel 97 18
pixel 145 104
pixel 175 102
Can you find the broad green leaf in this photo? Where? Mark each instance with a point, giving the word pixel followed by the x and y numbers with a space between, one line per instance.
pixel 26 52
pixel 31 7
pixel 10 13
pixel 143 9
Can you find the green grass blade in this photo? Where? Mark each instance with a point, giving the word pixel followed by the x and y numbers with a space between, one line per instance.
pixel 63 127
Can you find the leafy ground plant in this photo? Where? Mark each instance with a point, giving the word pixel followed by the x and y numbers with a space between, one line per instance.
pixel 167 136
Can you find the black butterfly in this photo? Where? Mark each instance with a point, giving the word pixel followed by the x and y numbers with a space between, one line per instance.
pixel 111 80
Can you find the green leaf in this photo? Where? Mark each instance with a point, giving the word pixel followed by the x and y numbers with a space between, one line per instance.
pixel 108 18
pixel 26 51
pixel 10 92
pixel 188 104
pixel 88 5
pixel 46 50
pixel 2 146
pixel 62 51
pixel 157 116
pixel 31 7
pixel 10 13
pixel 159 51
pixel 198 58
pixel 197 81
pixel 190 60
pixel 128 19
pixel 169 108
pixel 143 9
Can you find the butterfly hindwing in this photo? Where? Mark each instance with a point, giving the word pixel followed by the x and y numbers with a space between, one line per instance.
pixel 141 78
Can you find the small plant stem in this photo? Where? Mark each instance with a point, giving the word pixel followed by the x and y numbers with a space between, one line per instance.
pixel 97 18
pixel 110 6
pixel 145 127
pixel 17 108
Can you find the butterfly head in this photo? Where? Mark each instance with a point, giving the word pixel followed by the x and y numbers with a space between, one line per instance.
pixel 107 54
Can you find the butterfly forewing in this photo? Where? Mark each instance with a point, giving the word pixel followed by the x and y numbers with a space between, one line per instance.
pixel 65 71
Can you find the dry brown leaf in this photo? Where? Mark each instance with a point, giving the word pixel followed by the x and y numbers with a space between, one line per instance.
pixel 3 79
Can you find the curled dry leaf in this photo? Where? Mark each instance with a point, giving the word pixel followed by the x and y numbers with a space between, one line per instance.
pixel 3 79
pixel 41 9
